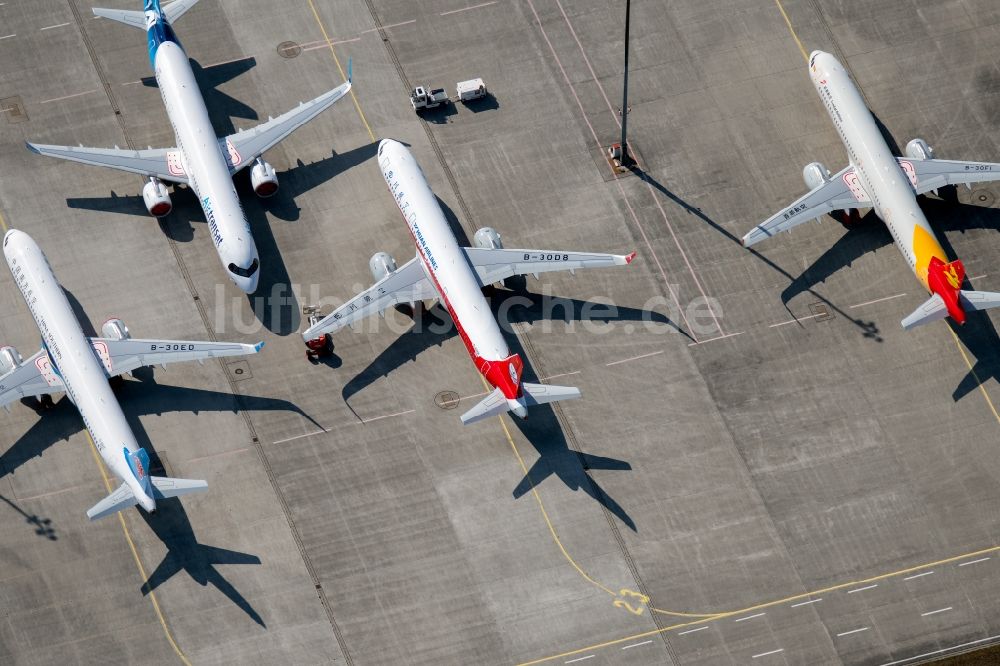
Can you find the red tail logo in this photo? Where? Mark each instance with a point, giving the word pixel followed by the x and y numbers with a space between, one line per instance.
pixel 504 374
pixel 945 280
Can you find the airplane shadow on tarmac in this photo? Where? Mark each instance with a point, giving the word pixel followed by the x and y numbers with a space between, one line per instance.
pixel 433 327
pixel 868 328
pixel 946 214
pixel 555 457
pixel 171 525
pixel 274 303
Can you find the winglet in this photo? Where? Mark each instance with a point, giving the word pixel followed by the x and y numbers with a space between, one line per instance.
pixel 629 258
pixel 350 66
pixel 257 347
pixel 30 146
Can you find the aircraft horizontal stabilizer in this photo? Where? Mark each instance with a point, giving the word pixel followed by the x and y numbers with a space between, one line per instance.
pixel 165 486
pixel 113 503
pixel 533 394
pixel 934 307
pixel 495 403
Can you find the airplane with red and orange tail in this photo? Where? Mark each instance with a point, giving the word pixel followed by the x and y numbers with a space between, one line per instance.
pixel 890 185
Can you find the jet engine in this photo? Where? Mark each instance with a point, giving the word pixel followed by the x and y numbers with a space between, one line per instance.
pixel 815 174
pixel 9 359
pixel 264 179
pixel 918 149
pixel 487 238
pixel 381 264
pixel 156 198
pixel 115 329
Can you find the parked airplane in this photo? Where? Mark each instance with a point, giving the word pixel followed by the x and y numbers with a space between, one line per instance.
pixel 874 178
pixel 456 275
pixel 69 361
pixel 200 160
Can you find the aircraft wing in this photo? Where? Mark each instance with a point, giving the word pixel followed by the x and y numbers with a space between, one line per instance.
pixel 408 284
pixel 121 356
pixel 164 163
pixel 927 175
pixel 841 191
pixel 34 377
pixel 245 146
pixel 496 265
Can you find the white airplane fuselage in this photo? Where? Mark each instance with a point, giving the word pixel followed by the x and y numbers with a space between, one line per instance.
pixel 203 161
pixel 448 268
pixel 879 174
pixel 73 360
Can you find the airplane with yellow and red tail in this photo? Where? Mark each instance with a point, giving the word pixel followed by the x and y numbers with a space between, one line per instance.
pixel 877 179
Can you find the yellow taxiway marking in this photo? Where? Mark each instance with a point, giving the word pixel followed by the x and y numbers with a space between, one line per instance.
pixel 333 52
pixel 768 604
pixel 135 554
pixel 3 223
pixel 979 382
pixel 788 22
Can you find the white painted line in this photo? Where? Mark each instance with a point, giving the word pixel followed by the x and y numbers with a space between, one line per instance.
pixel 308 434
pixel 8 36
pixel 940 610
pixel 465 9
pixel 50 27
pixel 691 631
pixel 947 649
pixel 49 494
pixel 852 631
pixel 565 374
pixel 323 45
pixel 132 83
pixel 926 573
pixel 877 300
pixel 806 603
pixel 59 99
pixel 634 358
pixel 981 559
pixel 764 654
pixel 797 320
pixel 573 661
pixel 749 617
pixel 720 337
pixel 218 455
pixel 862 589
pixel 386 27
pixel 629 647
pixel 387 416
pixel 978 277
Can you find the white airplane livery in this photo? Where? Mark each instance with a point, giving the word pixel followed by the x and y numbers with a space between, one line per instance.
pixel 456 275
pixel 80 366
pixel 875 178
pixel 200 160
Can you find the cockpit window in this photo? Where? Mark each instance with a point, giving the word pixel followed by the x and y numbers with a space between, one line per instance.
pixel 244 272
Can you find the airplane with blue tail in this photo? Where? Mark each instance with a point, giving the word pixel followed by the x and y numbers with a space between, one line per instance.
pixel 200 160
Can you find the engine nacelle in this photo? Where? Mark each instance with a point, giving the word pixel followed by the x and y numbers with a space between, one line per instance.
pixel 381 264
pixel 264 179
pixel 115 329
pixel 156 198
pixel 918 149
pixel 9 359
pixel 815 174
pixel 487 238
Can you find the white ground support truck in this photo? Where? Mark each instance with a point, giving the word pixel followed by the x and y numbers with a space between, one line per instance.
pixel 421 99
pixel 470 90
